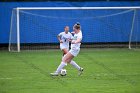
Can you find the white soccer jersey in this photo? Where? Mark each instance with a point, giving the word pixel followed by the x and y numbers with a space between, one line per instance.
pixel 76 36
pixel 64 37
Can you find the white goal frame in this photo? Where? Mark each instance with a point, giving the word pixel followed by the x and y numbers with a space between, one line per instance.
pixel 67 8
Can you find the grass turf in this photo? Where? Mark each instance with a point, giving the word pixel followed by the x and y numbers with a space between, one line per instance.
pixel 105 71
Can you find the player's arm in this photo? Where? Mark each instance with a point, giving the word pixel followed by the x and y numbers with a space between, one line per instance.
pixel 58 37
pixel 77 41
pixel 73 32
pixel 71 37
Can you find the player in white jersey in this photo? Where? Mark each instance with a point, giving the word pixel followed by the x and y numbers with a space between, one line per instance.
pixel 64 39
pixel 75 48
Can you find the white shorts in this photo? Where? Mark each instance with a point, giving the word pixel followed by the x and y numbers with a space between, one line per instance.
pixel 74 52
pixel 64 47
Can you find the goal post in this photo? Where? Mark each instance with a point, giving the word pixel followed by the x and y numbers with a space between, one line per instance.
pixel 132 28
pixel 37 27
pixel 18 32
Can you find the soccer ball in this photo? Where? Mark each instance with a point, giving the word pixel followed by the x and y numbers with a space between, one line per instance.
pixel 63 72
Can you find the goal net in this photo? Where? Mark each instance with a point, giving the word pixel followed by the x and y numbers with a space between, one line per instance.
pixel 35 28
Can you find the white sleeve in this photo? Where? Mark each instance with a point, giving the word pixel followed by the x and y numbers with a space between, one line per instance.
pixel 60 34
pixel 71 36
pixel 80 36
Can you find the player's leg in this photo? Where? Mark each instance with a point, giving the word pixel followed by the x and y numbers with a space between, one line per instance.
pixel 66 58
pixel 62 64
pixel 73 63
pixel 65 51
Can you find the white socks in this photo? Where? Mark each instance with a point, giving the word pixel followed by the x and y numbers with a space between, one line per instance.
pixel 63 56
pixel 74 64
pixel 61 66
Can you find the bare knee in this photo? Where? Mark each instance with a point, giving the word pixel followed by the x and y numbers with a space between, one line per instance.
pixel 67 58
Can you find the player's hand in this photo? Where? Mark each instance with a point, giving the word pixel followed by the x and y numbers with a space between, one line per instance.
pixel 69 39
pixel 73 42
pixel 73 32
pixel 60 41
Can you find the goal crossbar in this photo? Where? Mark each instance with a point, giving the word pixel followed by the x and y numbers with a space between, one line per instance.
pixel 67 8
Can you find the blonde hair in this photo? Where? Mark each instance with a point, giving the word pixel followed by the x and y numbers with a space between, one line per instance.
pixel 77 26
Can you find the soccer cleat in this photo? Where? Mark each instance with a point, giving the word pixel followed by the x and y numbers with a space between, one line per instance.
pixel 80 71
pixel 54 74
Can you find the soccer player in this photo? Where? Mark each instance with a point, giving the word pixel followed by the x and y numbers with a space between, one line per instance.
pixel 64 39
pixel 74 51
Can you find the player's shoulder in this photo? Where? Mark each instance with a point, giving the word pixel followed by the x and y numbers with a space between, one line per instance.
pixel 61 32
pixel 80 33
pixel 69 33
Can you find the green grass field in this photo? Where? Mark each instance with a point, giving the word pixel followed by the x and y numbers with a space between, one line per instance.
pixel 105 71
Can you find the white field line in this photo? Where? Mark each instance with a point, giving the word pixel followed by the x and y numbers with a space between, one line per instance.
pixel 5 78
